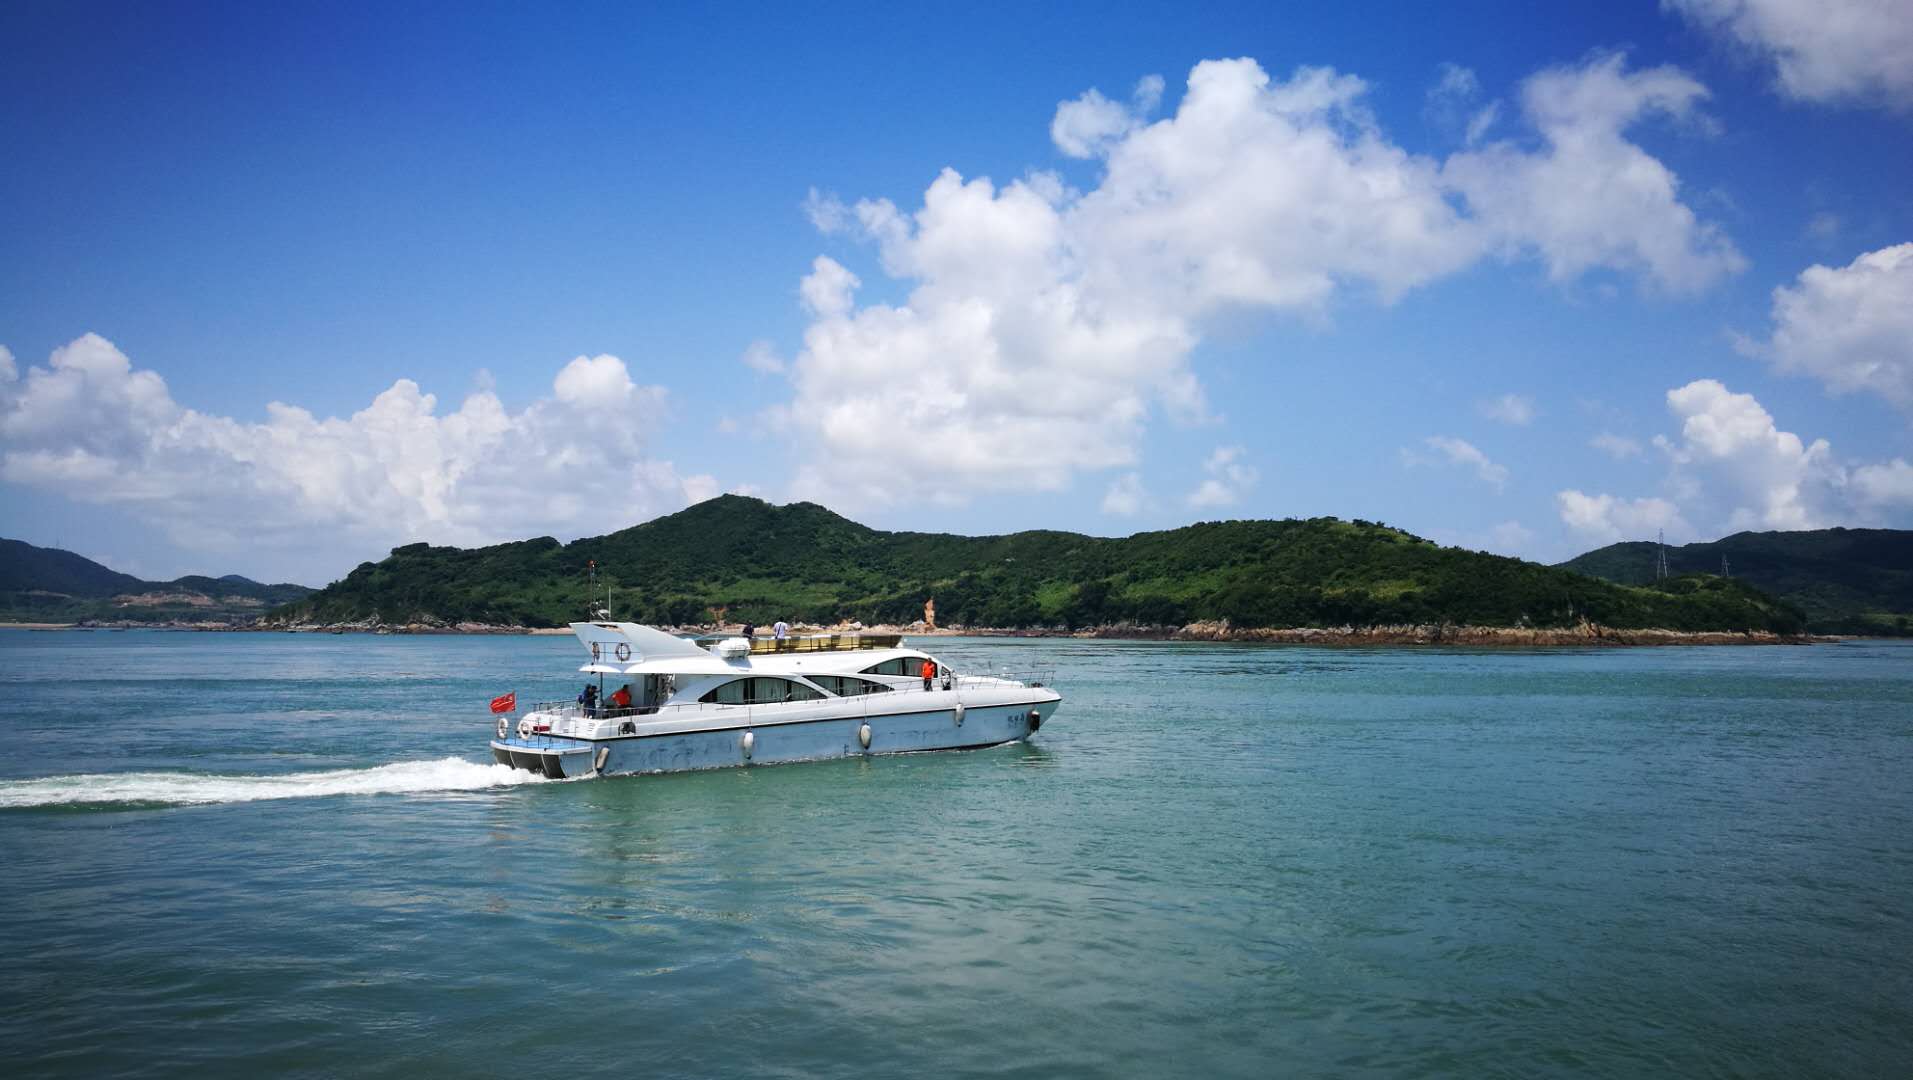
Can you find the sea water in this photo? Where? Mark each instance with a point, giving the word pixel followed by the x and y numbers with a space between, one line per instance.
pixel 248 854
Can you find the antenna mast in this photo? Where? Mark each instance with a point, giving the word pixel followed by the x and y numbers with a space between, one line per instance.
pixel 1660 560
pixel 594 609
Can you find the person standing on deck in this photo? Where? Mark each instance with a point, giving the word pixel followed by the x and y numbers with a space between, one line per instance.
pixel 929 672
pixel 780 629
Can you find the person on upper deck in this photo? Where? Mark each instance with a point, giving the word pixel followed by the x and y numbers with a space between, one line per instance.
pixel 929 672
pixel 780 629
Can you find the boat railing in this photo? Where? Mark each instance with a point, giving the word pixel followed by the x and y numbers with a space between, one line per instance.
pixel 1030 676
pixel 597 712
pixel 847 642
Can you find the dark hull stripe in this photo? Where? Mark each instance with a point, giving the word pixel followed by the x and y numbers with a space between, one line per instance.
pixel 552 768
pixel 942 749
pixel 815 760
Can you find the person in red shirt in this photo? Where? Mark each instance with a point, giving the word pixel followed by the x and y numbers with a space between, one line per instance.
pixel 929 673
pixel 622 697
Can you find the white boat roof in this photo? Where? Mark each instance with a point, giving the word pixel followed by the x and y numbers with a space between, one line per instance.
pixel 635 649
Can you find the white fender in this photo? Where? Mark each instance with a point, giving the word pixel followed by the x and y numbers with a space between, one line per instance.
pixel 959 714
pixel 603 753
pixel 863 736
pixel 748 742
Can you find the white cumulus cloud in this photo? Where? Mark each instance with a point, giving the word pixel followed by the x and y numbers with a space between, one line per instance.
pixel 1608 518
pixel 1851 327
pixel 1826 51
pixel 1774 479
pixel 762 356
pixel 1618 447
pixel 827 289
pixel 1460 452
pixel 1085 126
pixel 1510 537
pixel 1228 478
pixel 1731 467
pixel 700 487
pixel 1126 496
pixel 1590 198
pixel 1452 104
pixel 1043 325
pixel 1517 409
pixel 94 428
pixel 1884 485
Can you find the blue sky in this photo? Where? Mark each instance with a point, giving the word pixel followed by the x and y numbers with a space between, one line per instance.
pixel 1501 275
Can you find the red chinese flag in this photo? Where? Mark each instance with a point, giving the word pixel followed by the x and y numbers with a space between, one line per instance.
pixel 505 702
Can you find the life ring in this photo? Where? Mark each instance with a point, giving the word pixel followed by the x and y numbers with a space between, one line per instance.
pixel 504 728
pixel 624 652
pixel 524 728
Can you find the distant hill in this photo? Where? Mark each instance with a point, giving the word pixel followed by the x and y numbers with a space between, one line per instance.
pixel 49 585
pixel 747 559
pixel 1855 581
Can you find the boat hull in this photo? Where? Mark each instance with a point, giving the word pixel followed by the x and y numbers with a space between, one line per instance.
pixel 770 742
pixel 557 762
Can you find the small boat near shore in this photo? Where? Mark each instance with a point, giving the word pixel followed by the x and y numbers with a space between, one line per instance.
pixel 731 701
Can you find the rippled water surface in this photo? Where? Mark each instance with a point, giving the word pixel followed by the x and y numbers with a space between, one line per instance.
pixel 248 854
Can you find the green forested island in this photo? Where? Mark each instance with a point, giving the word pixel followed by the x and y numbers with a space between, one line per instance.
pixel 1846 581
pixel 744 559
pixel 50 585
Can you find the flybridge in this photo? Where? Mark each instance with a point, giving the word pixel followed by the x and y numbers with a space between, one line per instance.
pixel 821 643
pixel 632 643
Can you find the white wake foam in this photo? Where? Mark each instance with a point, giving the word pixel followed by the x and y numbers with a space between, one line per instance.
pixel 404 777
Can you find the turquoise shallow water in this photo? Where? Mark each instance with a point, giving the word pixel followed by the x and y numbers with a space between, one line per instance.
pixel 240 854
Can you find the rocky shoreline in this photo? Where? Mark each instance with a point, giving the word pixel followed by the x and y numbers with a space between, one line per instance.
pixel 1584 634
pixel 1581 635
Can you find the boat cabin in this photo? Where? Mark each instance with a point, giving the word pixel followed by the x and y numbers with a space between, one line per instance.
pixel 656 670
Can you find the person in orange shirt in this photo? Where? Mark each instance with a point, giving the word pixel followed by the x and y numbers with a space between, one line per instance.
pixel 929 673
pixel 622 697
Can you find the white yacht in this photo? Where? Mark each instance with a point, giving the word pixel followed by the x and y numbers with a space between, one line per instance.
pixel 737 701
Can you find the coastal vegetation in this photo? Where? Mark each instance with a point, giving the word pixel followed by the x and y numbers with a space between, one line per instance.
pixel 1845 581
pixel 50 585
pixel 736 558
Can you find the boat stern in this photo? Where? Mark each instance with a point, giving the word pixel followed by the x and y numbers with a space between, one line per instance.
pixel 556 759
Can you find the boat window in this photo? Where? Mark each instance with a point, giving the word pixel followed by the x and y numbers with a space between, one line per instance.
pixel 902 665
pixel 848 685
pixel 759 691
